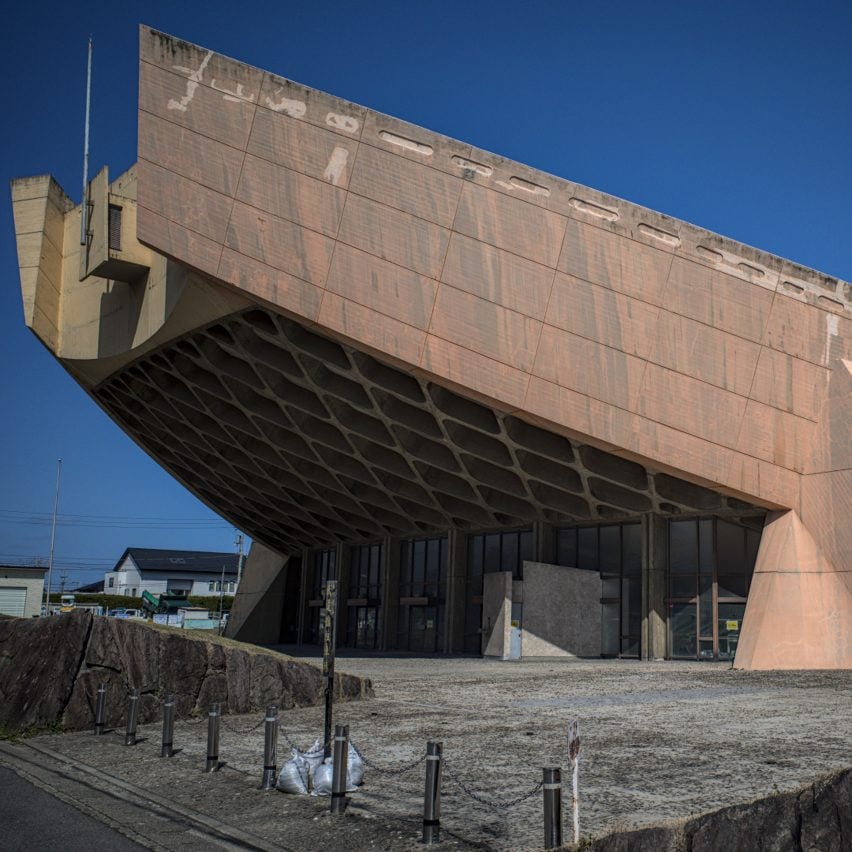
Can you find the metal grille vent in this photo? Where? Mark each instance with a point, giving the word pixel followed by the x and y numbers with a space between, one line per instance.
pixel 114 227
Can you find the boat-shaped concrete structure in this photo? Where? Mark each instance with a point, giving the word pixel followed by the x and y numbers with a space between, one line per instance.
pixel 502 409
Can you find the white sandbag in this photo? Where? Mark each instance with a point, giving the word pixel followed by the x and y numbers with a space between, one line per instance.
pixel 313 756
pixel 354 768
pixel 323 777
pixel 295 775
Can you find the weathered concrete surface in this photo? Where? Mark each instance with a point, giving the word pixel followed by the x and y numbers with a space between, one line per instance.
pixel 256 612
pixel 50 669
pixel 682 352
pixel 562 613
pixel 660 742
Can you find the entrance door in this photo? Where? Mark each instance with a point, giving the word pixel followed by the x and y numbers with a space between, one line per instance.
pixel 423 629
pixel 710 566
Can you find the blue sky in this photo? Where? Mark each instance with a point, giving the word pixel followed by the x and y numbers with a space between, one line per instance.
pixel 734 116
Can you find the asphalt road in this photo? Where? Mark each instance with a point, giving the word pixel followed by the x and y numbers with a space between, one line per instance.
pixel 33 819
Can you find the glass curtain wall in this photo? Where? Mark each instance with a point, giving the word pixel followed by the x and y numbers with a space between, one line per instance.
pixel 364 612
pixel 711 562
pixel 422 594
pixel 615 550
pixel 325 568
pixel 486 553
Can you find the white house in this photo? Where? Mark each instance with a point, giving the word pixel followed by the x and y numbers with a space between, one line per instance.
pixel 21 590
pixel 186 572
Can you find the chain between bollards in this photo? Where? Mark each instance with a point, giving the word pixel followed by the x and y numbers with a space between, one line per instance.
pixel 270 748
pixel 132 717
pixel 100 709
pixel 340 760
pixel 213 717
pixel 167 747
pixel 552 788
pixel 432 797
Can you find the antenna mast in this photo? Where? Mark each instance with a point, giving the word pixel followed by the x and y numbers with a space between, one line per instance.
pixel 84 209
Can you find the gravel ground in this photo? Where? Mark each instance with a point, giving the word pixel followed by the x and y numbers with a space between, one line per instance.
pixel 659 741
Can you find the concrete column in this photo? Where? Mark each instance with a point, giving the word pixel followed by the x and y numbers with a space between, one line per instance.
pixel 454 613
pixel 654 586
pixel 390 592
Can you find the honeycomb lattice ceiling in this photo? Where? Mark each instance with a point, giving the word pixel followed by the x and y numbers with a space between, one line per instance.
pixel 303 442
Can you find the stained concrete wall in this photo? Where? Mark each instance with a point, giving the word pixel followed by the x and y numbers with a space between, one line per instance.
pixel 678 349
pixel 259 602
pixel 562 611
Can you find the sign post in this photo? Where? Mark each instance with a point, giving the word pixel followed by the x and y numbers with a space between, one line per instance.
pixel 574 760
pixel 328 643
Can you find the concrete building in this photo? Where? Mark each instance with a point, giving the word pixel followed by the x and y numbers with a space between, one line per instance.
pixel 21 590
pixel 510 414
pixel 178 572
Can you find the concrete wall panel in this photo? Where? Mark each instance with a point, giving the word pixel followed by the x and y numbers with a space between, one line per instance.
pixel 382 286
pixel 280 244
pixel 510 224
pixel 717 299
pixel 215 166
pixel 485 327
pixel 313 151
pixel 498 276
pixel 603 315
pixel 562 611
pixel 590 368
pixel 292 196
pixel 411 187
pixel 196 106
pixel 704 352
pixel 604 258
pixel 395 236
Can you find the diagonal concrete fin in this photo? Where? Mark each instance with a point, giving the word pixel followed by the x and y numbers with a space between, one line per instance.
pixel 799 611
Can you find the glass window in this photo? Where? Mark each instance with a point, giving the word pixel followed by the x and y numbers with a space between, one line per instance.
pixel 714 576
pixel 587 548
pixel 527 548
pixel 730 544
pixel 510 553
pixel 682 545
pixel 491 561
pixel 609 559
pixel 705 545
pixel 566 548
pixel 631 549
pixel 111 582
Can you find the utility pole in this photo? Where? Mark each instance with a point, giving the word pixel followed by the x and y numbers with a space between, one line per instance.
pixel 221 597
pixel 238 541
pixel 52 538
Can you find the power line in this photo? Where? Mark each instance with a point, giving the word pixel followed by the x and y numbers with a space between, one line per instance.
pixel 110 518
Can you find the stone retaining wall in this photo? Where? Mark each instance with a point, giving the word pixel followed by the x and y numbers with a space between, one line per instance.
pixel 50 669
pixel 816 818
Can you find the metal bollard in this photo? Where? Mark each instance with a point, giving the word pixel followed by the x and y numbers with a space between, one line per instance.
pixel 432 798
pixel 552 788
pixel 270 748
pixel 166 749
pixel 213 738
pixel 132 716
pixel 100 709
pixel 340 760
